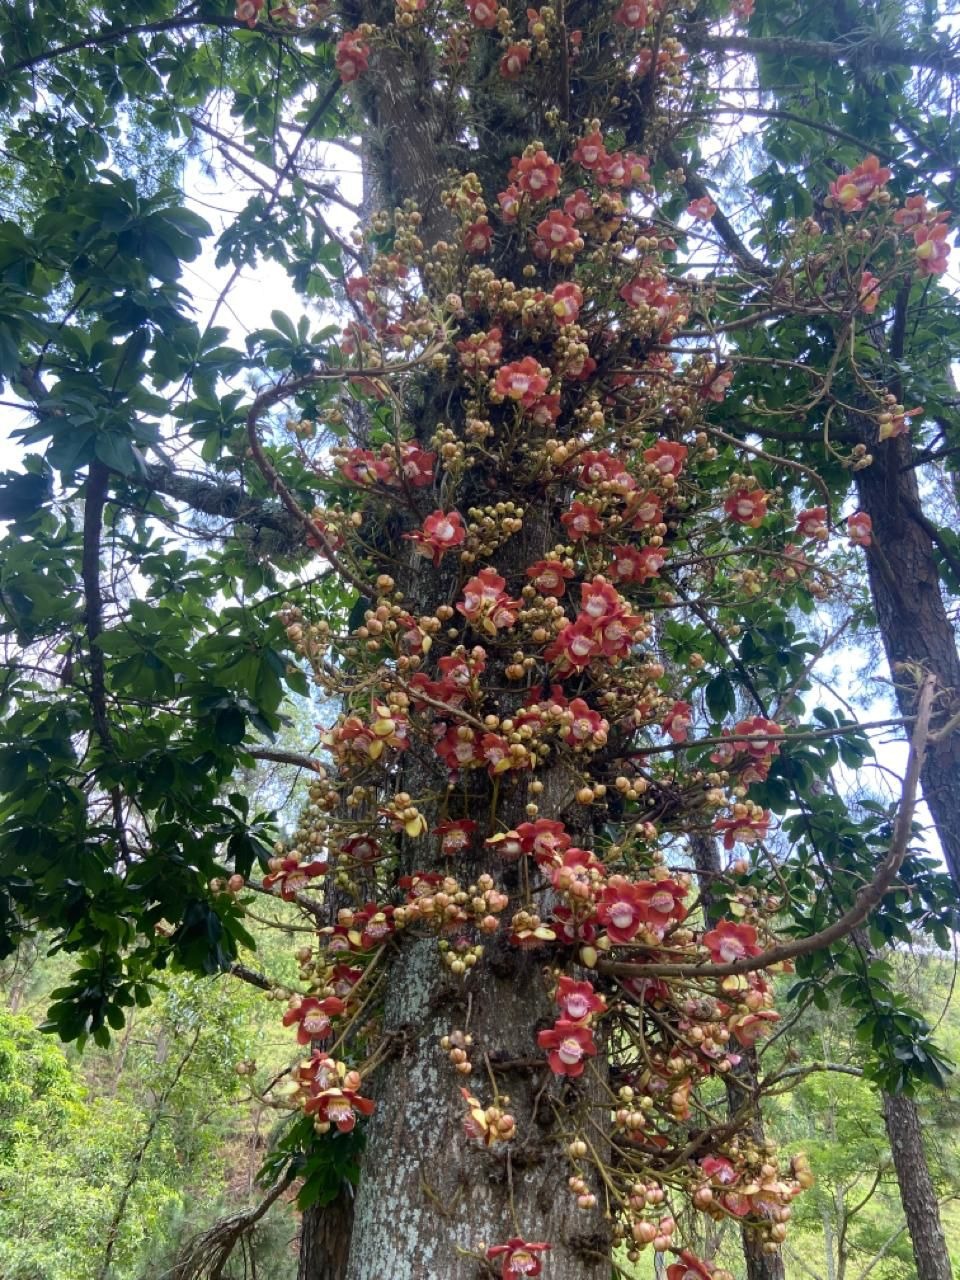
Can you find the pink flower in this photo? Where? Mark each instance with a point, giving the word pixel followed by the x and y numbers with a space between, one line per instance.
pixel 486 604
pixel 455 836
pixel 483 13
pixel 567 301
pixel 579 205
pixel 622 910
pixel 852 190
pixel 538 176
pixel 667 457
pixel 578 1001
pixel 441 532
pixel 702 209
pixel 676 724
pixel 812 523
pixel 352 57
pixel 932 250
pixel 581 521
pixel 631 564
pixel 867 295
pixel 514 61
pixel 747 506
pixel 590 151
pixel 519 1258
pixel 633 14
pixel 478 237
pixel 860 529
pixel 567 1044
pixel 746 830
pixel 549 577
pixel 558 232
pixel 313 1017
pixel 522 380
pixel 729 941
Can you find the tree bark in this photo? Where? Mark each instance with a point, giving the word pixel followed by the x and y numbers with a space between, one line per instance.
pixel 913 620
pixel 325 1239
pixel 916 1188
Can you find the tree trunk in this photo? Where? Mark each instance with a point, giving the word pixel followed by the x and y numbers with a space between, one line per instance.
pixel 742 1088
pixel 916 1188
pixel 913 620
pixel 325 1240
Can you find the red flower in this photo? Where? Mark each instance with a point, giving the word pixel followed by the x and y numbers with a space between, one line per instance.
pixel 719 1170
pixel 514 61
pixel 579 205
pixel 538 176
pixel 932 250
pixel 581 521
pixel 458 749
pixel 577 1000
pixel 667 457
pixel 749 1027
pixel 495 750
pixel 749 829
pixel 416 465
pixel 338 1107
pixel 590 151
pixel 729 941
pixel 588 728
pixel 632 13
pixel 247 10
pixel 313 1017
pixel 352 57
pixel 519 1258
pixel 509 202
pixel 852 190
pixel 522 380
pixel 868 295
pixel 638 168
pixel 663 901
pixel 293 877
pixel 567 1044
pixel 361 848
pixel 456 836
pixel 481 350
pixel 599 601
pixel 576 646
pixel 483 13
pixel 747 506
pixel 546 839
pixel 567 301
pixel 614 172
pixel 688 1268
pixel 622 909
pixel 549 576
pixel 440 533
pixel 715 384
pixel 812 523
pixel 860 529
pixel 486 604
pixel 702 209
pixel 364 467
pixel 478 237
pixel 766 732
pixel 644 510
pixel 558 231
pixel 632 565
pixel 676 724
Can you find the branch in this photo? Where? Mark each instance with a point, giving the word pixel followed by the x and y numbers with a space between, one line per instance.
pixel 868 51
pixel 721 223
pixel 866 900
pixel 178 22
pixel 286 757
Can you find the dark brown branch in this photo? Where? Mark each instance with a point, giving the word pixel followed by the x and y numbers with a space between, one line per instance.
pixel 866 900
pixel 178 22
pixel 866 51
